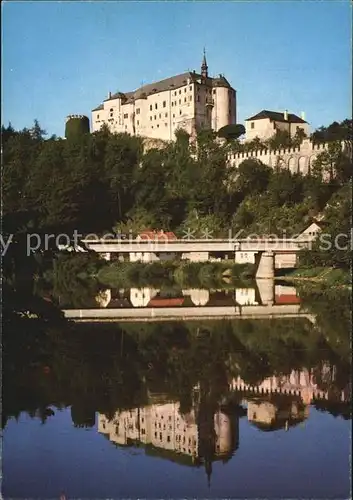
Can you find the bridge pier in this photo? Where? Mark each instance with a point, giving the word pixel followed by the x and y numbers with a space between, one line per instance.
pixel 266 267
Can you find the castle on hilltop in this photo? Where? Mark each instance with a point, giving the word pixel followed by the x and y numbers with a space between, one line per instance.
pixel 190 101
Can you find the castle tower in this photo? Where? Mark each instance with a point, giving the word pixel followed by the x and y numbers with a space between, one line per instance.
pixel 204 67
pixel 76 125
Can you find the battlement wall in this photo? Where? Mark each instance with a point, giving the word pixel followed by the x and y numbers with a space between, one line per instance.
pixel 79 117
pixel 299 159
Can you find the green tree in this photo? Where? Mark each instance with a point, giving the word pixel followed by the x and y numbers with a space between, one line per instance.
pixel 253 177
pixel 281 139
pixel 231 132
pixel 285 187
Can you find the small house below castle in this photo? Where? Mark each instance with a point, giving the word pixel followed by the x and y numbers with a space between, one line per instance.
pixel 266 123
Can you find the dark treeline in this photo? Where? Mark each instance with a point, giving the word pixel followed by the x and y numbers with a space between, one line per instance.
pixel 102 182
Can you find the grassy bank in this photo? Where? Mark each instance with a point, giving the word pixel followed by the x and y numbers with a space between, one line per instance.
pixel 327 275
pixel 183 273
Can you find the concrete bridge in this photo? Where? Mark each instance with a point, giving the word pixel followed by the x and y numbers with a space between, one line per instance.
pixel 188 313
pixel 200 250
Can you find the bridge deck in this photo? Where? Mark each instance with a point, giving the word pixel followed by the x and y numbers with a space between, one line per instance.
pixel 225 245
pixel 189 313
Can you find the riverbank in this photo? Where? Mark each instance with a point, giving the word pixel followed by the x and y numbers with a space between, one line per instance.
pixel 328 276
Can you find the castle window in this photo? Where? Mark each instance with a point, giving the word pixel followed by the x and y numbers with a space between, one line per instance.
pixel 190 97
pixel 190 88
pixel 252 125
pixel 166 115
pixel 111 114
pixel 172 103
pixel 138 123
pixel 138 111
pixel 180 91
pixel 157 125
pixel 180 112
pixel 143 431
pixel 175 93
pixel 160 115
pixel 160 436
pixel 166 124
pixel 151 118
pixel 155 434
pixel 185 89
pixel 111 109
pixel 173 115
pixel 97 117
pixel 164 104
pixel 179 101
pixel 126 115
pixel 155 117
pixel 150 107
pixel 156 106
pixel 214 91
pixel 151 126
pixel 168 439
pixel 184 99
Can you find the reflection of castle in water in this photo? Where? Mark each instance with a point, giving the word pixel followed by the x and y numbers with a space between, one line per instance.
pixel 163 429
pixel 206 433
pixel 271 415
pixel 265 292
pixel 306 384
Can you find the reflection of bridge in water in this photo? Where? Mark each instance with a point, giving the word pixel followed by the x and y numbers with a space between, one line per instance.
pixel 190 313
pixel 266 300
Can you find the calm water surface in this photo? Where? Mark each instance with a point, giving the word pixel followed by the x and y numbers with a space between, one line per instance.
pixel 178 409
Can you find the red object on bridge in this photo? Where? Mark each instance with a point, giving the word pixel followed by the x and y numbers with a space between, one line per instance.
pixel 157 236
pixel 287 299
pixel 160 302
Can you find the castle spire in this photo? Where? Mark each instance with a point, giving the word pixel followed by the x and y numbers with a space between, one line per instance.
pixel 204 67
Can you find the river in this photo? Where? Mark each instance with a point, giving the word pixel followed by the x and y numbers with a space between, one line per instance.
pixel 252 405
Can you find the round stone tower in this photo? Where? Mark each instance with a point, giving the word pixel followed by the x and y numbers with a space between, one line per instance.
pixel 76 126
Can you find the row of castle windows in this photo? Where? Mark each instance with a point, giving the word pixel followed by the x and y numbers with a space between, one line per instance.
pixel 166 115
pixel 166 125
pixel 173 103
pixel 177 438
pixel 164 426
pixel 185 89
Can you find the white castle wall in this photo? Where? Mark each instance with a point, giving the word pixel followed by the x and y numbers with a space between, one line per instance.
pixel 298 159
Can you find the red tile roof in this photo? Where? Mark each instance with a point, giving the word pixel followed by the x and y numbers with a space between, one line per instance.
pixel 287 299
pixel 161 302
pixel 157 236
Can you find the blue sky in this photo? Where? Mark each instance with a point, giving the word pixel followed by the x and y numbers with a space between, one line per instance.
pixel 64 57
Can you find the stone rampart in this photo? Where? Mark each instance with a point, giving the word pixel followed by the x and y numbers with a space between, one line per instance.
pixel 298 159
